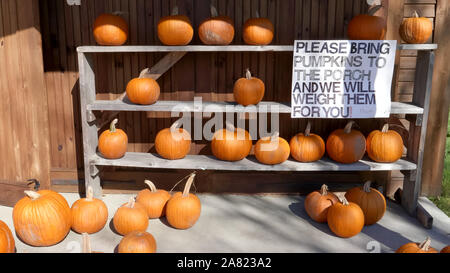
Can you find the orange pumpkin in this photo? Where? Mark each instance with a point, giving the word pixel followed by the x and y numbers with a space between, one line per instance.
pixel 423 247
pixel 175 30
pixel 272 150
pixel 346 145
pixel 231 144
pixel 130 217
pixel 110 30
pixel 307 147
pixel 183 209
pixel 367 26
pixel 89 214
pixel 216 30
pixel 416 30
pixel 87 244
pixel 385 145
pixel 258 31
pixel 137 242
pixel 446 249
pixel 143 90
pixel 153 200
pixel 318 202
pixel 345 219
pixel 370 200
pixel 7 243
pixel 42 218
pixel 112 143
pixel 173 143
pixel 248 90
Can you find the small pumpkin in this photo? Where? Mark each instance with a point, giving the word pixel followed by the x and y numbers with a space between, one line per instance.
pixel 416 30
pixel 143 90
pixel 87 244
pixel 173 143
pixel 89 215
pixel 112 143
pixel 446 249
pixel 216 30
pixel 175 30
pixel 248 90
pixel 137 242
pixel 272 150
pixel 367 26
pixel 346 145
pixel 345 219
pixel 153 200
pixel 231 144
pixel 258 31
pixel 110 30
pixel 385 145
pixel 307 147
pixel 7 242
pixel 183 209
pixel 318 202
pixel 130 217
pixel 423 247
pixel 370 200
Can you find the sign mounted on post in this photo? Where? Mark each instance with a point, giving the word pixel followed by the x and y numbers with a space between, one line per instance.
pixel 342 78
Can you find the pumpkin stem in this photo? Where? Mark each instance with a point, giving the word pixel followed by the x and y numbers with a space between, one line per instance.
pixel 214 11
pixel 86 243
pixel 257 14
pixel 150 185
pixel 112 127
pixel 415 14
pixel 131 203
pixel 385 128
pixel 308 129
pixel 188 185
pixel 229 126
pixel 174 11
pixel 275 135
pixel 324 190
pixel 425 245
pixel 348 127
pixel 343 200
pixel 144 73
pixel 366 186
pixel 174 126
pixel 374 9
pixel 32 194
pixel 248 75
pixel 119 13
pixel 89 194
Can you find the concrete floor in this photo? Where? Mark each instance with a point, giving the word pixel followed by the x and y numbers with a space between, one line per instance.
pixel 242 223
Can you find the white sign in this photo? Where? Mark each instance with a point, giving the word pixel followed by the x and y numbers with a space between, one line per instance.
pixel 342 78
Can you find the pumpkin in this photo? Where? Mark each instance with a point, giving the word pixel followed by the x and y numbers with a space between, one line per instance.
pixel 346 145
pixel 345 219
pixel 153 200
pixel 89 214
pixel 216 30
pixel 248 90
pixel 173 143
pixel 318 202
pixel 143 90
pixel 175 30
pixel 258 31
pixel 423 247
pixel 137 242
pixel 7 243
pixel 370 200
pixel 130 217
pixel 42 218
pixel 231 144
pixel 307 147
pixel 385 145
pixel 110 30
pixel 112 143
pixel 87 244
pixel 446 249
pixel 416 30
pixel 272 150
pixel 367 26
pixel 183 209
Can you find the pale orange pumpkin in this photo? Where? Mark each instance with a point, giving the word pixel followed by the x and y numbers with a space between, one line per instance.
pixel 137 242
pixel 7 243
pixel 110 30
pixel 257 31
pixel 248 90
pixel 367 26
pixel 346 145
pixel 143 90
pixel 370 200
pixel 175 30
pixel 307 147
pixel 272 150
pixel 318 202
pixel 385 145
pixel 411 247
pixel 231 144
pixel 153 200
pixel 112 143
pixel 89 214
pixel 173 143
pixel 416 30
pixel 130 217
pixel 345 219
pixel 216 30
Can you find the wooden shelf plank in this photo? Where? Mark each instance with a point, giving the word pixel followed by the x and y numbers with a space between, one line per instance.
pixel 205 162
pixel 417 46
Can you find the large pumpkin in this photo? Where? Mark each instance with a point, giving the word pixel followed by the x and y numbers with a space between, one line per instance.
pixel 307 147
pixel 130 217
pixel 112 143
pixel 370 200
pixel 416 30
pixel 346 145
pixel 175 30
pixel 110 30
pixel 183 209
pixel 367 26
pixel 385 145
pixel 423 247
pixel 153 200
pixel 143 90
pixel 89 214
pixel 248 90
pixel 272 150
pixel 216 30
pixel 318 202
pixel 258 31
pixel 7 243
pixel 446 249
pixel 345 219
pixel 173 143
pixel 42 218
pixel 137 242
pixel 231 144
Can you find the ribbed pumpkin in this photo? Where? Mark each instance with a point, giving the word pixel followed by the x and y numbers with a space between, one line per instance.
pixel 86 248
pixel 42 218
pixel 307 147
pixel 143 90
pixel 137 242
pixel 183 209
pixel 258 31
pixel 385 145
pixel 153 200
pixel 446 249
pixel 367 26
pixel 318 202
pixel 346 145
pixel 416 30
pixel 231 144
pixel 216 30
pixel 110 30
pixel 370 200
pixel 175 30
pixel 112 143
pixel 173 143
pixel 272 150
pixel 89 214
pixel 130 217
pixel 248 90
pixel 7 243
pixel 423 247
pixel 345 219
